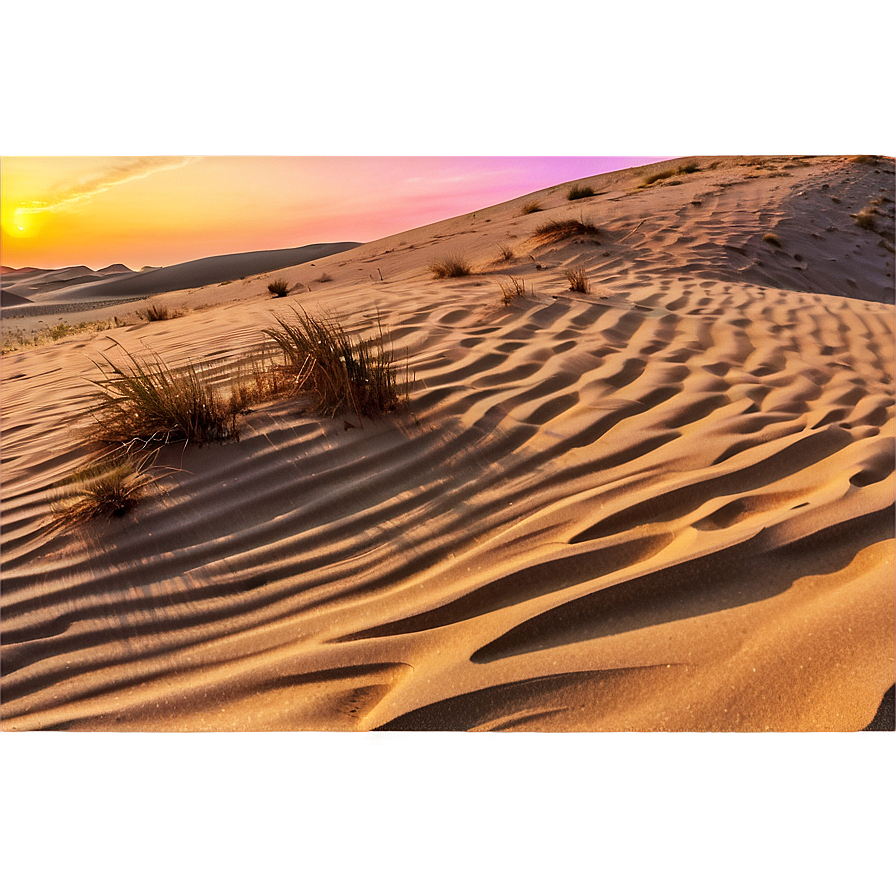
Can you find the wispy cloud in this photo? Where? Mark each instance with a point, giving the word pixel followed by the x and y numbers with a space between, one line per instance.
pixel 112 175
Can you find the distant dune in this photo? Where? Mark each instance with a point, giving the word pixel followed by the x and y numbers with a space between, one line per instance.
pixel 663 501
pixel 188 275
pixel 9 299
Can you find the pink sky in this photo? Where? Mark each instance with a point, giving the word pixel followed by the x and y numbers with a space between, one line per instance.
pixel 60 211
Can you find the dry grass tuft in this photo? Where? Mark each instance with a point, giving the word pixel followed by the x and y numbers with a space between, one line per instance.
pixel 515 289
pixel 145 403
pixel 772 238
pixel 506 253
pixel 109 488
pixel 343 373
pixel 690 168
pixel 158 312
pixel 866 218
pixel 278 288
pixel 450 266
pixel 578 279
pixel 531 207
pixel 579 192
pixel 554 231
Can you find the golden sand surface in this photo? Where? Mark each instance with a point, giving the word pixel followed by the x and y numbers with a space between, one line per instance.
pixel 666 504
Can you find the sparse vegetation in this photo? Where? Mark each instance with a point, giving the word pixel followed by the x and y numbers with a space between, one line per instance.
pixel 144 403
pixel 506 253
pixel 578 279
pixel 579 192
pixel 157 312
pixel 531 207
pixel 278 288
pixel 342 373
pixel 515 289
pixel 324 278
pixel 15 339
pixel 866 218
pixel 772 238
pixel 554 231
pixel 450 266
pixel 108 488
pixel 690 168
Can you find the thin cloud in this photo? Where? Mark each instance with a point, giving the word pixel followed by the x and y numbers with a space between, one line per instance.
pixel 111 176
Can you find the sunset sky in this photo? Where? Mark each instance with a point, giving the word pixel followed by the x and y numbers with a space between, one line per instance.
pixel 161 210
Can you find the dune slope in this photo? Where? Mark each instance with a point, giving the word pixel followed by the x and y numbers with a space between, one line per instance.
pixel 663 504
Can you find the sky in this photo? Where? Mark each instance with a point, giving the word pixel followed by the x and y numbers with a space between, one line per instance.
pixel 149 132
pixel 160 210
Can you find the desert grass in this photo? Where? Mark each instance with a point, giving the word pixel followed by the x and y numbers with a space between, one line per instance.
pixel 258 379
pixel 866 218
pixel 690 168
pixel 772 238
pixel 324 278
pixel 450 266
pixel 505 252
pixel 579 192
pixel 556 230
pixel 531 207
pixel 278 288
pixel 143 403
pixel 108 488
pixel 514 289
pixel 341 372
pixel 15 339
pixel 158 312
pixel 578 279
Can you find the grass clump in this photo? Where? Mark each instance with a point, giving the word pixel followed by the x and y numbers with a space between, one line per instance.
pixel 514 289
pixel 554 231
pixel 158 312
pixel 578 279
pixel 450 266
pixel 15 339
pixel 690 168
pixel 506 253
pixel 531 207
pixel 110 488
pixel 866 218
pixel 145 403
pixel 579 192
pixel 772 238
pixel 343 373
pixel 278 288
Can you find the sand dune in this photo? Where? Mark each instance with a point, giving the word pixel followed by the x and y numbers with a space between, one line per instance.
pixel 83 285
pixel 664 504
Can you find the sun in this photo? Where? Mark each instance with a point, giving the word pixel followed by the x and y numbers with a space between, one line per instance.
pixel 22 222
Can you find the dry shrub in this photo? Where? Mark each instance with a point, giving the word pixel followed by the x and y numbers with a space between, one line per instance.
pixel 343 373
pixel 108 488
pixel 450 266
pixel 506 252
pixel 531 207
pixel 866 218
pixel 515 289
pixel 690 168
pixel 554 231
pixel 772 238
pixel 578 279
pixel 143 403
pixel 278 288
pixel 579 192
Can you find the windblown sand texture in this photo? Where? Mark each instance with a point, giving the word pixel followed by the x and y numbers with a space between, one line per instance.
pixel 664 504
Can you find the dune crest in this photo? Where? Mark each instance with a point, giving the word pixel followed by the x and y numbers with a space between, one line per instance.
pixel 666 503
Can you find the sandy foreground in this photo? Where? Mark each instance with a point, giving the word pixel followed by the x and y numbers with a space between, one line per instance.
pixel 664 504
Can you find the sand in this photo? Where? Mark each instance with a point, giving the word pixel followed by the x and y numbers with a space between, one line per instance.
pixel 666 504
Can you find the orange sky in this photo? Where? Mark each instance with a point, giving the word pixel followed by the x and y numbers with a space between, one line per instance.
pixel 94 210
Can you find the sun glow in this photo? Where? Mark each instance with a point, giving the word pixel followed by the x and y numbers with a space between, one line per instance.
pixel 22 221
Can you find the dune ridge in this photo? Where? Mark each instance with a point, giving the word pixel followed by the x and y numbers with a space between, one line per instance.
pixel 664 504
